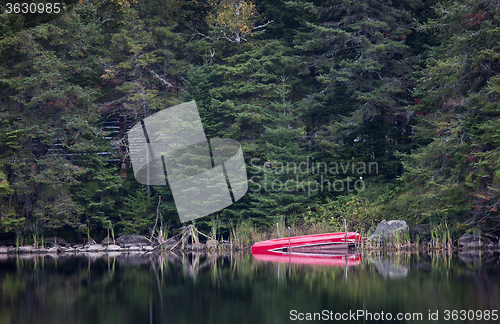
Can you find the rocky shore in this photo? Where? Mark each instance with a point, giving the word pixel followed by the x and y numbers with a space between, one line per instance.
pixel 397 235
pixel 129 243
pixel 75 249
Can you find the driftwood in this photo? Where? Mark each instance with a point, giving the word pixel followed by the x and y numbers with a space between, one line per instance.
pixel 187 232
pixel 168 241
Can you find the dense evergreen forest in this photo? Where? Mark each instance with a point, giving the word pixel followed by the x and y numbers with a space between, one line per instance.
pixel 358 109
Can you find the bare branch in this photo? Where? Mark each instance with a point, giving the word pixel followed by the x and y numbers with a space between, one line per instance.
pixel 324 90
pixel 163 81
pixel 262 26
pixel 198 33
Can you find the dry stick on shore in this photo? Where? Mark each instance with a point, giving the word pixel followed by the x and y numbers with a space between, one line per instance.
pixel 185 236
pixel 190 231
pixel 208 237
pixel 159 245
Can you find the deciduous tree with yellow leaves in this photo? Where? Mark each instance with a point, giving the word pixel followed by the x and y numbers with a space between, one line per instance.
pixel 234 18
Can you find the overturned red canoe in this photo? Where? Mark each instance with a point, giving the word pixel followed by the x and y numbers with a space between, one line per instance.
pixel 309 243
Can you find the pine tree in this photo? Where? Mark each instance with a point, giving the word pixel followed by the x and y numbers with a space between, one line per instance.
pixel 362 72
pixel 49 86
pixel 458 91
pixel 245 96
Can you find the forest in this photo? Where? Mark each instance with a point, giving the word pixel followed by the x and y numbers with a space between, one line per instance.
pixel 345 109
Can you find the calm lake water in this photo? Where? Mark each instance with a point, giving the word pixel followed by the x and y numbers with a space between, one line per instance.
pixel 238 288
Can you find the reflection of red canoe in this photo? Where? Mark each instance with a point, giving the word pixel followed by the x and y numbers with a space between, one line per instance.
pixel 309 258
pixel 328 242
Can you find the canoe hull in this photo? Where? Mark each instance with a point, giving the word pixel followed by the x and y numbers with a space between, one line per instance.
pixel 309 243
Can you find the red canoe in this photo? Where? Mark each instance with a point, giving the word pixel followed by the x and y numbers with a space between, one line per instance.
pixel 322 243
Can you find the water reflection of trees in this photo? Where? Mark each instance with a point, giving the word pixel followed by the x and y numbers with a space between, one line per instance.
pixel 132 288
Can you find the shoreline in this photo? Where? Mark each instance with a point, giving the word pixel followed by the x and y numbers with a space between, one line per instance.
pixel 365 247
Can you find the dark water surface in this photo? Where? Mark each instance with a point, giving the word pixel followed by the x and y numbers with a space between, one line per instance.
pixel 237 288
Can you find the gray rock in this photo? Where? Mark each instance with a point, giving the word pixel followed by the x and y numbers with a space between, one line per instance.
pixel 478 241
pixel 135 249
pixel 66 249
pixel 26 249
pixel 95 247
pixel 128 240
pixel 53 249
pixel 387 229
pixel 113 247
pixel 107 241
pixel 4 250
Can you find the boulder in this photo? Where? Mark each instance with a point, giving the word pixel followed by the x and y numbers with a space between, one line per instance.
pixel 478 241
pixel 107 241
pixel 129 240
pixel 387 229
pixel 4 250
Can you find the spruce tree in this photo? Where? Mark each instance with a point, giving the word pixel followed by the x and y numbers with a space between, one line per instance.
pixel 362 70
pixel 457 172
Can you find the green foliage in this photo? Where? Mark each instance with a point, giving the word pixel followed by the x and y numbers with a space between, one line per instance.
pixel 457 90
pixel 365 209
